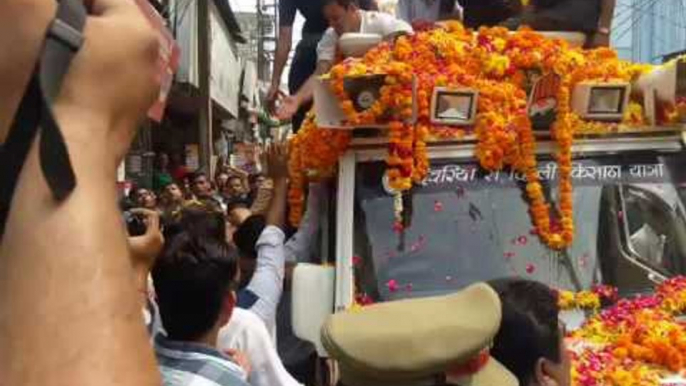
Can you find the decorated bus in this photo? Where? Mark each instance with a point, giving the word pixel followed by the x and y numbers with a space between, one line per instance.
pixel 462 156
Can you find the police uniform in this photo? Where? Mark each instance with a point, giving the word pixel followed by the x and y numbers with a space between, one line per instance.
pixel 427 341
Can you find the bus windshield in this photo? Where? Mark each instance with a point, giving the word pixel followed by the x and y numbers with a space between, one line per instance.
pixel 466 226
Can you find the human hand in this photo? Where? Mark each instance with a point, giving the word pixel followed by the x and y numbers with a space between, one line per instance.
pixel 289 106
pixel 598 40
pixel 241 360
pixel 273 95
pixel 422 25
pixel 277 161
pixel 110 86
pixel 146 248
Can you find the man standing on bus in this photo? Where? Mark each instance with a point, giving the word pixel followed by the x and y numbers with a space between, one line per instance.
pixel 305 58
pixel 343 16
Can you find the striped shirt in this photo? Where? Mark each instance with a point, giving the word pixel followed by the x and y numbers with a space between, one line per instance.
pixel 192 364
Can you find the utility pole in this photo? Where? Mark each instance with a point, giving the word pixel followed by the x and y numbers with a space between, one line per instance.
pixel 204 74
pixel 260 41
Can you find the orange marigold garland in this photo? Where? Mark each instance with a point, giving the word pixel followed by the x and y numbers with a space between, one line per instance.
pixel 636 342
pixel 314 155
pixel 496 63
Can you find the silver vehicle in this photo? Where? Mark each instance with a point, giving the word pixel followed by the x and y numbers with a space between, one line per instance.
pixel 464 226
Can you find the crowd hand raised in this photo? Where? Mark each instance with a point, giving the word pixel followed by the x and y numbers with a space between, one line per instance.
pixel 240 359
pixel 110 84
pixel 146 247
pixel 276 157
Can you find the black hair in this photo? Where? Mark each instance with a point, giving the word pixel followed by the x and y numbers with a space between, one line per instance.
pixel 237 203
pixel 247 234
pixel 204 222
pixel 234 177
pixel 529 329
pixel 252 179
pixel 197 174
pixel 199 221
pixel 192 278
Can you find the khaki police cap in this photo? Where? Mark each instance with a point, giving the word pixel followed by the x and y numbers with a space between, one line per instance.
pixel 416 341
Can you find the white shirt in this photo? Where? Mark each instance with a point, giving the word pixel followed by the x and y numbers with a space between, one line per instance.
pixel 372 23
pixel 267 280
pixel 428 10
pixel 248 334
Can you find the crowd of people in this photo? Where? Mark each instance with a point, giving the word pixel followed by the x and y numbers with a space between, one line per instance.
pixel 196 296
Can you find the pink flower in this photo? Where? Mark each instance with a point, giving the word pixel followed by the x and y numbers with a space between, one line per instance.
pixel 392 285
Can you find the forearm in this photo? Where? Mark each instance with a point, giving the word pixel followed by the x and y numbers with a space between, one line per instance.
pixel 267 281
pixel 283 48
pixel 261 203
pixel 141 274
pixel 66 282
pixel 306 92
pixel 277 208
pixel 607 11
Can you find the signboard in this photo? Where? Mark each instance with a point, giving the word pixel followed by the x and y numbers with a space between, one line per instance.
pixel 244 157
pixel 542 107
pixel 167 61
pixel 192 157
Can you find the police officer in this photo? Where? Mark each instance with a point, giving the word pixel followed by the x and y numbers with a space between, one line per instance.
pixel 429 341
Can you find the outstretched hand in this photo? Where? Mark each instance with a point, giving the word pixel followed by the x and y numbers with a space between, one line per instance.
pixel 240 359
pixel 289 106
pixel 276 157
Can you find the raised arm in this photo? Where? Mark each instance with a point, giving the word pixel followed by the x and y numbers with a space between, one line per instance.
pixel 601 38
pixel 284 43
pixel 267 281
pixel 66 284
pixel 277 170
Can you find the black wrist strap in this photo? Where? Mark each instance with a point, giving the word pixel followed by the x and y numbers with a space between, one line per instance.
pixel 63 41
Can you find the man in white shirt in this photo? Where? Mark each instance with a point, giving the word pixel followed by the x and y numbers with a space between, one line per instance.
pixel 428 11
pixel 264 245
pixel 247 333
pixel 343 16
pixel 260 241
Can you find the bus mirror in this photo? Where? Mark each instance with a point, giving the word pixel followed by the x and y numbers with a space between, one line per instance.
pixel 312 302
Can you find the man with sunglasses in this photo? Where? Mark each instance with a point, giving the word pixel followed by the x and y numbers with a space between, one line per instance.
pixel 304 62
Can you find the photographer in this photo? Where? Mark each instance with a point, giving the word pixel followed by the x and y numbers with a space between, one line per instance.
pixel 67 288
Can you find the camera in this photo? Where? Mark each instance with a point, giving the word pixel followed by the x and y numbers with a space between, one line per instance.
pixel 135 223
